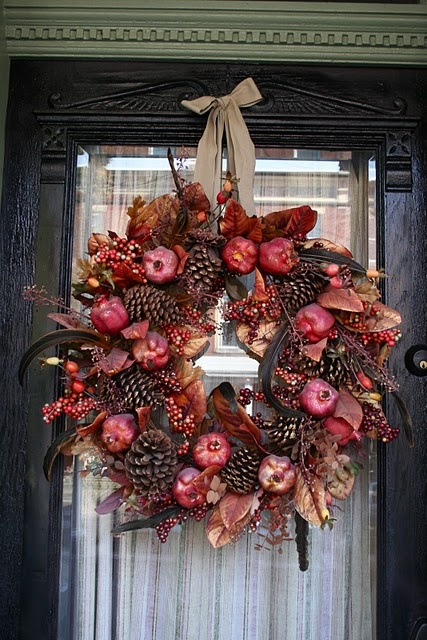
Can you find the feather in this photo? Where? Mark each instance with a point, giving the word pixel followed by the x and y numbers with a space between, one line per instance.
pixel 301 539
pixel 147 523
pixel 322 255
pixel 406 417
pixel 61 441
pixel 267 368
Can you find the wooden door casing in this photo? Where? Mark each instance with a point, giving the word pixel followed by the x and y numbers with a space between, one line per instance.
pixel 53 106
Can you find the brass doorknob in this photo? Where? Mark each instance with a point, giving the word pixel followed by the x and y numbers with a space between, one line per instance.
pixel 416 360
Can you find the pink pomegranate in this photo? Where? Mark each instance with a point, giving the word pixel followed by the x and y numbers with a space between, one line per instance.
pixel 314 322
pixel 277 474
pixel 160 265
pixel 118 432
pixel 318 398
pixel 278 256
pixel 109 316
pixel 340 426
pixel 211 449
pixel 152 352
pixel 185 491
pixel 240 255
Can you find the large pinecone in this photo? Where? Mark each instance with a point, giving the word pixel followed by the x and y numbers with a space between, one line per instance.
pixel 203 265
pixel 285 431
pixel 152 462
pixel 241 471
pixel 138 388
pixel 330 369
pixel 301 286
pixel 144 301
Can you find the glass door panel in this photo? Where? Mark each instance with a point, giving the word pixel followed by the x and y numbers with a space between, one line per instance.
pixel 133 586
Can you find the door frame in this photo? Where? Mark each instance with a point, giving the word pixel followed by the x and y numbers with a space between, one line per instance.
pixel 55 106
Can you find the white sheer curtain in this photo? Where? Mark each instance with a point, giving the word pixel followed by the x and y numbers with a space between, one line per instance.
pixel 136 588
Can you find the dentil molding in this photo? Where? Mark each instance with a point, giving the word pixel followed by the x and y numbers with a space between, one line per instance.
pixel 303 32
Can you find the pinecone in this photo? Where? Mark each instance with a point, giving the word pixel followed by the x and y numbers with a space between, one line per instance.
pixel 138 387
pixel 241 471
pixel 301 286
pixel 285 431
pixel 144 301
pixel 203 265
pixel 330 369
pixel 151 462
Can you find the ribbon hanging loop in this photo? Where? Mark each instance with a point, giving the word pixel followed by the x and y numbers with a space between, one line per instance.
pixel 225 114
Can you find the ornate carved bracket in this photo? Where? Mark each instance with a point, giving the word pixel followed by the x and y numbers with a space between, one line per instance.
pixel 398 162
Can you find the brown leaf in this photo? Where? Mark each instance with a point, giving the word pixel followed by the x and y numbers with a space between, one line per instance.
pixel 195 198
pixel 303 219
pixel 144 217
pixel 143 417
pixel 203 480
pixel 136 330
pixel 90 428
pixel 267 329
pixel 123 276
pixel 387 318
pixel 117 360
pixel 195 344
pixel 348 408
pixel 234 507
pixel 367 290
pixel 182 255
pixel 259 292
pixel 196 395
pixel 344 299
pixel 328 245
pixel 67 321
pixel 309 499
pixel 236 222
pixel 234 417
pixel 341 483
pixel 278 220
pixel 95 241
pixel 315 351
pixel 216 531
pixel 186 372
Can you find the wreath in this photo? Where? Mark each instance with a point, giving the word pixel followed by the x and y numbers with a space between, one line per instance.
pixel 132 389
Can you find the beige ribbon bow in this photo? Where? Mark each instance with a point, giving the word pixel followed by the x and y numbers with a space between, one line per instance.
pixel 225 112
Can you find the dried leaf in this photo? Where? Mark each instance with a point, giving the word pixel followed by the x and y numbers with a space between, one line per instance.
pixel 67 321
pixel 233 416
pixel 328 246
pixel 195 198
pixel 315 351
pixel 95 241
pixel 344 299
pixel 234 507
pixel 303 219
pixel 182 255
pixel 266 331
pixel 259 292
pixel 144 217
pixel 341 483
pixel 124 276
pixel 117 360
pixel 143 414
pixel 349 408
pixel 186 372
pixel 112 502
pixel 195 344
pixel 309 499
pixel 85 430
pixel 136 330
pixel 236 222
pixel 387 318
pixel 216 531
pixel 367 290
pixel 235 288
pixel 196 397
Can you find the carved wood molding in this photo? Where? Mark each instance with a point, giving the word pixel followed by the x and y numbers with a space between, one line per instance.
pixel 240 31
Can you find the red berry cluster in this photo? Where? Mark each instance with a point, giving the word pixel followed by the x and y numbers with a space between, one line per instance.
pixel 75 405
pixel 121 251
pixel 164 527
pixel 167 381
pixel 247 395
pixel 199 512
pixel 287 396
pixel 356 321
pixel 177 336
pixel 374 419
pixel 291 378
pixel 387 336
pixel 255 520
pixel 195 319
pixel 178 422
pixel 251 311
pixel 183 448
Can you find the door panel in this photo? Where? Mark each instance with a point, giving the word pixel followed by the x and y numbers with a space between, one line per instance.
pixel 339 108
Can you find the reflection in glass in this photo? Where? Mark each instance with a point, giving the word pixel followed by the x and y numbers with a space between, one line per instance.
pixel 136 588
